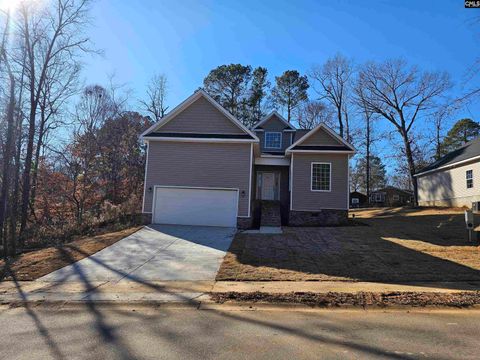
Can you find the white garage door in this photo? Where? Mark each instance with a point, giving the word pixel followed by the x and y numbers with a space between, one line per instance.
pixel 195 206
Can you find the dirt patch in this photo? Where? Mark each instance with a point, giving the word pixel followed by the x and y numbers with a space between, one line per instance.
pixel 35 264
pixel 361 299
pixel 399 246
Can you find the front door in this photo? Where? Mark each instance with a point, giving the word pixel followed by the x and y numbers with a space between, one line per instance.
pixel 269 188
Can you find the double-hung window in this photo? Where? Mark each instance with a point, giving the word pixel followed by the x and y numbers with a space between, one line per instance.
pixel 321 176
pixel 469 177
pixel 273 140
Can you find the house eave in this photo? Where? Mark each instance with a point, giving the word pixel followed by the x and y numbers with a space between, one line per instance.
pixel 448 166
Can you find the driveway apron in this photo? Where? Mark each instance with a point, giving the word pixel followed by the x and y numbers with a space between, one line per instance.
pixel 154 253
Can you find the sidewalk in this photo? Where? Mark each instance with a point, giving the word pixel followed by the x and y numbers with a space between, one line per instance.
pixel 196 293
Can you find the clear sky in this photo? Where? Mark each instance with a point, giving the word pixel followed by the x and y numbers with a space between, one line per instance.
pixel 186 39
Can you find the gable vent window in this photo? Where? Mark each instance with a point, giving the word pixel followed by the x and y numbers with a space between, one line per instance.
pixel 273 140
pixel 321 176
pixel 469 176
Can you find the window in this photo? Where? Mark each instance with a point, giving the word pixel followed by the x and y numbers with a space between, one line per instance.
pixel 355 201
pixel 273 140
pixel 378 197
pixel 321 176
pixel 469 176
pixel 396 197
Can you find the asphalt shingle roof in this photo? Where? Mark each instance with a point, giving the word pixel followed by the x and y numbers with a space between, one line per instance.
pixel 467 151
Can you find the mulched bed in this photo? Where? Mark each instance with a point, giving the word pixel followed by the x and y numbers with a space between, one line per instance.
pixel 361 299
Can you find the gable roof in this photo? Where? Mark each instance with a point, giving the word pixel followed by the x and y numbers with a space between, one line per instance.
pixel 467 152
pixel 269 116
pixel 344 147
pixel 151 131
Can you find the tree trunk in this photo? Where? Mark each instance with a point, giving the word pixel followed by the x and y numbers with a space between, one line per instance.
pixel 411 166
pixel 9 146
pixel 38 149
pixel 340 121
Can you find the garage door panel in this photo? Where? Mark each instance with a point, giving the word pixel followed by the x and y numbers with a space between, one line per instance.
pixel 185 206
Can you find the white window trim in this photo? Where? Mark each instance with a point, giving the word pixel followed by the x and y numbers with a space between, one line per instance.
pixel 330 176
pixel 378 197
pixel 273 132
pixel 355 201
pixel 468 178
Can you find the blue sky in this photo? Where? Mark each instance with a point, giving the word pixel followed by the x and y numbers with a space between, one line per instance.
pixel 186 39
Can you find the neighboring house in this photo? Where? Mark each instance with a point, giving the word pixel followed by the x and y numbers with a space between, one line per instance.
pixel 357 199
pixel 205 168
pixel 391 196
pixel 453 180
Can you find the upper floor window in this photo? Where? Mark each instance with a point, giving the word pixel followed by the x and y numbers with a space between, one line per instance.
pixel 321 176
pixel 469 176
pixel 273 140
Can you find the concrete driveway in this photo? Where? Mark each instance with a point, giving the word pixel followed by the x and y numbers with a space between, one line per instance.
pixel 154 253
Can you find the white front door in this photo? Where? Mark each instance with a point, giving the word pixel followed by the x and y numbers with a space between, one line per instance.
pixel 195 206
pixel 268 186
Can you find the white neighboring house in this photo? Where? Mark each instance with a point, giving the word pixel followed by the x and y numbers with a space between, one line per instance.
pixel 453 180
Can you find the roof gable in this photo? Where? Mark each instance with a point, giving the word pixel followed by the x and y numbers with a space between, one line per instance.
pixel 321 138
pixel 274 121
pixel 199 114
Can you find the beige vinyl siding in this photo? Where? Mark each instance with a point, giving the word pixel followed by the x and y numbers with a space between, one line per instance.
pixel 303 199
pixel 275 125
pixel 321 137
pixel 201 117
pixel 196 164
pixel 448 187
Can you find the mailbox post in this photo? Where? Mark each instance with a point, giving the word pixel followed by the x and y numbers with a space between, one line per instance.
pixel 469 223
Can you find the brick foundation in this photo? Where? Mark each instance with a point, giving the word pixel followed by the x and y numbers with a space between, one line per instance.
pixel 318 218
pixel 245 223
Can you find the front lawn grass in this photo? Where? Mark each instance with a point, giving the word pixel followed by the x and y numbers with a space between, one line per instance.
pixel 399 246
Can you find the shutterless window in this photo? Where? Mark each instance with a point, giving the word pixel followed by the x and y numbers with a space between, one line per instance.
pixel 321 176
pixel 396 197
pixel 469 176
pixel 273 140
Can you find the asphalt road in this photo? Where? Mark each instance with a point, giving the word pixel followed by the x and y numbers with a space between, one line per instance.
pixel 146 333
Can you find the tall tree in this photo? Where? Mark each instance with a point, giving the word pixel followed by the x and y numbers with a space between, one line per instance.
pixel 258 94
pixel 332 82
pixel 461 132
pixel 290 90
pixel 55 36
pixel 376 178
pixel 156 101
pixel 311 113
pixel 228 85
pixel 9 143
pixel 401 94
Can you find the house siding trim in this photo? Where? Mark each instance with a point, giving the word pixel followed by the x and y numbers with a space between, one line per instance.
pixel 145 180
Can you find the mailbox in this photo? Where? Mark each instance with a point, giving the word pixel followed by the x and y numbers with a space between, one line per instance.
pixel 469 219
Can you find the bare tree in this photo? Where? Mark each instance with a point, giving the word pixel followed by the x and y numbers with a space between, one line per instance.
pixel 331 81
pixel 157 91
pixel 312 113
pixel 9 143
pixel 54 36
pixel 401 94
